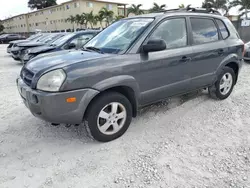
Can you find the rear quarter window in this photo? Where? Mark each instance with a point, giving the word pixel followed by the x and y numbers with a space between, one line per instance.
pixel 223 29
pixel 233 32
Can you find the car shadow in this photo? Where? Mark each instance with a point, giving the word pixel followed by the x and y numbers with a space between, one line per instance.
pixel 80 133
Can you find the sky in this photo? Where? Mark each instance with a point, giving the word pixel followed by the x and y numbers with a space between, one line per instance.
pixel 15 7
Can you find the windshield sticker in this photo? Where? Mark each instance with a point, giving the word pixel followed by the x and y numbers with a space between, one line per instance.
pixel 139 24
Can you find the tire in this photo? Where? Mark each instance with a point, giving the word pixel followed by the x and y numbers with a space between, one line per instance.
pixel 96 125
pixel 216 90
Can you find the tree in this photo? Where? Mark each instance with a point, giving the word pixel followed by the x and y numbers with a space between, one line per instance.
pixel 40 4
pixel 107 15
pixel 99 18
pixel 157 8
pixel 216 4
pixel 89 18
pixel 135 9
pixel 78 19
pixel 1 26
pixel 118 17
pixel 244 6
pixel 182 6
pixel 72 20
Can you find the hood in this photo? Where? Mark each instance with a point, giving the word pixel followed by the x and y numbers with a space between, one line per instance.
pixel 30 44
pixel 41 49
pixel 61 59
pixel 18 41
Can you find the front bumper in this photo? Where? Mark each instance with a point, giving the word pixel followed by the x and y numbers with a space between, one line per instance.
pixel 52 107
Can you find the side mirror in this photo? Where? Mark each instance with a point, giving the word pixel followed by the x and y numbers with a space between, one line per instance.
pixel 154 45
pixel 71 46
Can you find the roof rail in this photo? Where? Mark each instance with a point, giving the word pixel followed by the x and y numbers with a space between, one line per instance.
pixel 192 9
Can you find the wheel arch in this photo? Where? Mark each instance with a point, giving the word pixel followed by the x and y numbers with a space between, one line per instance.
pixel 125 85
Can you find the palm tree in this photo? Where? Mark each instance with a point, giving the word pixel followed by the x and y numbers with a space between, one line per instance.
pixel 118 18
pixel 244 5
pixel 157 8
pixel 135 9
pixel 216 4
pixel 78 19
pixel 182 6
pixel 99 18
pixel 107 15
pixel 72 20
pixel 90 18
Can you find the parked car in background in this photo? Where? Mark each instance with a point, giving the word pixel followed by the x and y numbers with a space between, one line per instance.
pixel 71 41
pixel 134 62
pixel 247 52
pixel 6 38
pixel 18 51
pixel 34 37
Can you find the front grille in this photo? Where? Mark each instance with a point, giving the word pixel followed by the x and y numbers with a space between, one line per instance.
pixel 10 45
pixel 27 76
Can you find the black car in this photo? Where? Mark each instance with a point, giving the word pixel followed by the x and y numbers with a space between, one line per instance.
pixel 70 41
pixel 134 62
pixel 18 51
pixel 10 37
pixel 34 37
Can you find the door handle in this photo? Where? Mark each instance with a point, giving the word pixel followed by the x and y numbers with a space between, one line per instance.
pixel 220 51
pixel 185 59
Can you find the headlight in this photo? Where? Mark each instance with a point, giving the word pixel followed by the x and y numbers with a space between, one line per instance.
pixel 51 81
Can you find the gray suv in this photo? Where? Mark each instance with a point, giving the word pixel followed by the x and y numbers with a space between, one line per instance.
pixel 134 62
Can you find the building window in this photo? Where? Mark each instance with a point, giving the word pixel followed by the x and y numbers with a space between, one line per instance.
pixel 67 6
pixel 36 24
pixel 90 4
pixel 51 22
pixel 76 4
pixel 109 6
pixel 24 25
pixel 30 25
pixel 61 20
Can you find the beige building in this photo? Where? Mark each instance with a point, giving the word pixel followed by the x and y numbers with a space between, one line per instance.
pixel 54 18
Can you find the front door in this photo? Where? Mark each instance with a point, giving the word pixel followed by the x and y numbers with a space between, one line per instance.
pixel 166 73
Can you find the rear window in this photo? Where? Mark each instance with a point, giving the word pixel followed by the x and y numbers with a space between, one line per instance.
pixel 204 30
pixel 223 29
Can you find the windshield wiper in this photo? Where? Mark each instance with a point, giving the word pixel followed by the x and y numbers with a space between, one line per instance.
pixel 93 49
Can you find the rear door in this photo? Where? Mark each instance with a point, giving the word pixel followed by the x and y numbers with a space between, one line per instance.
pixel 209 50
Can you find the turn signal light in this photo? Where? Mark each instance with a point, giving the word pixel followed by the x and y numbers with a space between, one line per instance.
pixel 70 100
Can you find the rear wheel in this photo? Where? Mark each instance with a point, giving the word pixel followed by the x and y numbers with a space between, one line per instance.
pixel 108 117
pixel 223 87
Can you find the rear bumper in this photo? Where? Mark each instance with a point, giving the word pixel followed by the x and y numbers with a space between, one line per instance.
pixel 52 107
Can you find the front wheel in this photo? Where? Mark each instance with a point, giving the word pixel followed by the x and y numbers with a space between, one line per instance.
pixel 223 87
pixel 108 116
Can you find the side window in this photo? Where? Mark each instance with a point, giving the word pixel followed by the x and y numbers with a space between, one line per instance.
pixel 204 31
pixel 81 40
pixel 223 29
pixel 173 32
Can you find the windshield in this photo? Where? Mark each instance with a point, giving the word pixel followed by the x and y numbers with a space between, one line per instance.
pixel 62 40
pixel 118 37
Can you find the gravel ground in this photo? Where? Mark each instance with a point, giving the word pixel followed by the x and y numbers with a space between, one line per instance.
pixel 191 141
